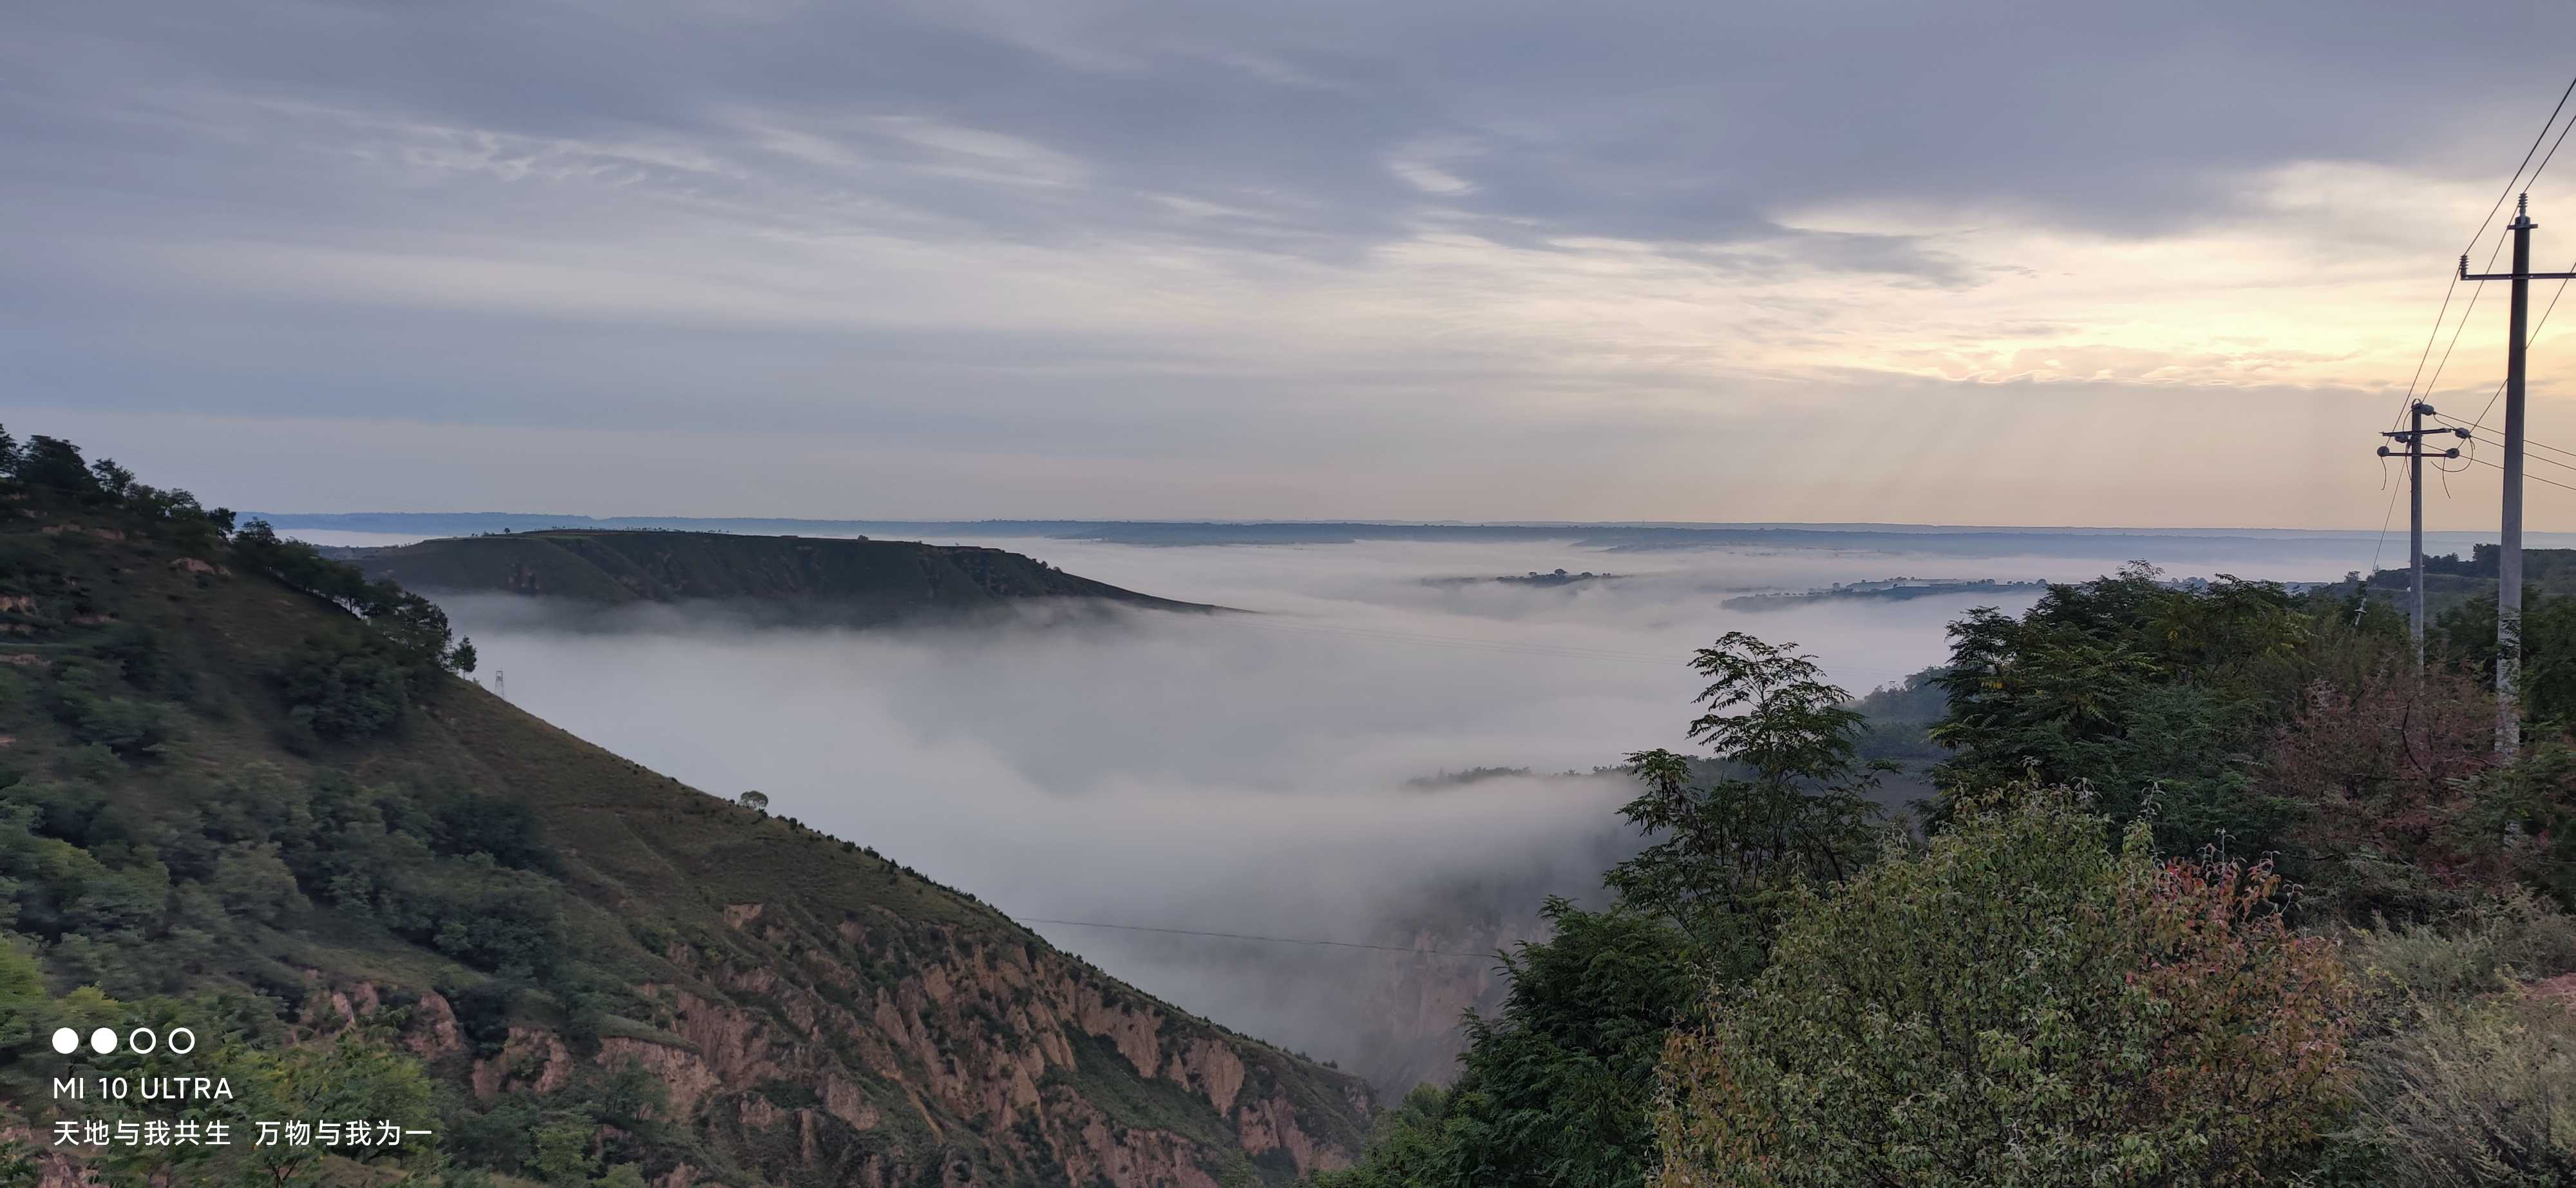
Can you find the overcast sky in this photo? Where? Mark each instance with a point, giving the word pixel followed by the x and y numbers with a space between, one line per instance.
pixel 2161 264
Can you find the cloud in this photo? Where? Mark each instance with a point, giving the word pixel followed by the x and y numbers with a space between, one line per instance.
pixel 1241 774
pixel 1153 230
pixel 1249 773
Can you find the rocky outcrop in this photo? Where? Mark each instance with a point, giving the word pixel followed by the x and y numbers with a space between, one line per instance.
pixel 530 1058
pixel 890 1052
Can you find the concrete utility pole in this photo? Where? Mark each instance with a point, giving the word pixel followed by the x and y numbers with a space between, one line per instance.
pixel 2414 453
pixel 2509 554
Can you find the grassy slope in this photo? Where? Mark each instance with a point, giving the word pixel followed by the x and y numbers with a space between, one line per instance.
pixel 871 576
pixel 655 878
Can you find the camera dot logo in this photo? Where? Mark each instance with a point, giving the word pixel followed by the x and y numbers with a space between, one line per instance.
pixel 102 1041
pixel 66 1040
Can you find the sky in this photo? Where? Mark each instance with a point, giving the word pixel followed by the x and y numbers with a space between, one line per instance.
pixel 2163 264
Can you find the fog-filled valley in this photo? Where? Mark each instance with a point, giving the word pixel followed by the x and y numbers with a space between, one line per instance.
pixel 817 859
pixel 1287 774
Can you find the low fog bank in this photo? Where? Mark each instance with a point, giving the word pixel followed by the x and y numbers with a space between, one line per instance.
pixel 1238 773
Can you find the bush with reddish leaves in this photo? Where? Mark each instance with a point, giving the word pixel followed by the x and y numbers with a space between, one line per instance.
pixel 2406 811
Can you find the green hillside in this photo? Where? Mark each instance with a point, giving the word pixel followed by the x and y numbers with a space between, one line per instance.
pixel 244 788
pixel 855 580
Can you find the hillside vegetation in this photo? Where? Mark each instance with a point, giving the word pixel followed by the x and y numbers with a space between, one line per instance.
pixel 244 788
pixel 2213 888
pixel 806 578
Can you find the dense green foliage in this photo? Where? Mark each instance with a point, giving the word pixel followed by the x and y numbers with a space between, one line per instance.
pixel 355 683
pixel 1723 854
pixel 2158 698
pixel 1556 1089
pixel 2466 635
pixel 2017 1005
pixel 2036 993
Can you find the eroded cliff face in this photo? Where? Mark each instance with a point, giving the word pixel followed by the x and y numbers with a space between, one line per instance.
pixel 882 1052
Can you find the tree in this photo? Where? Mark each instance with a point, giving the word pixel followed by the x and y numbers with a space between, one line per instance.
pixel 2386 777
pixel 2467 634
pixel 348 1077
pixel 52 464
pixel 2150 694
pixel 2018 1005
pixel 1408 1149
pixel 116 480
pixel 1723 853
pixel 1556 1090
pixel 755 800
pixel 1557 1087
pixel 563 1152
pixel 345 688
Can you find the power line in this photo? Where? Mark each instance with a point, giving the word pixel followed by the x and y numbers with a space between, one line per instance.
pixel 2544 161
pixel 2533 477
pixel 2552 449
pixel 2507 192
pixel 2384 520
pixel 1271 940
pixel 2551 461
pixel 2453 282
pixel 2527 339
pixel 2499 249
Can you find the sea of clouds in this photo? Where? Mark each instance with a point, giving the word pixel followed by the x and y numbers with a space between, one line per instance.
pixel 1247 774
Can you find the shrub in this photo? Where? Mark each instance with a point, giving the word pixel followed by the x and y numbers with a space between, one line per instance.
pixel 1558 1088
pixel 493 920
pixel 2407 968
pixel 86 694
pixel 2018 1005
pixel 344 693
pixel 508 831
pixel 2383 776
pixel 252 883
pixel 2479 1095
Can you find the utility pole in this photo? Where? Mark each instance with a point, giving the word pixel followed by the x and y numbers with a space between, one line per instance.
pixel 2415 453
pixel 2509 553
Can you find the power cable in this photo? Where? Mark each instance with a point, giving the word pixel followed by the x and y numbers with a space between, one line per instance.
pixel 2499 442
pixel 2528 339
pixel 2493 441
pixel 2384 520
pixel 2449 286
pixel 2507 192
pixel 2533 477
